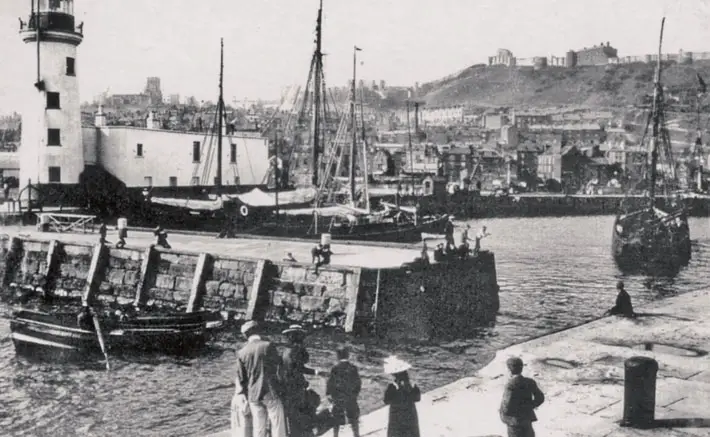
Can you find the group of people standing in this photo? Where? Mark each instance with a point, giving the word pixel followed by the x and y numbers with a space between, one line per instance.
pixel 272 397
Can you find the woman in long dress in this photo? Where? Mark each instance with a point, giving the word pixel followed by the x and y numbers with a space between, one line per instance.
pixel 401 396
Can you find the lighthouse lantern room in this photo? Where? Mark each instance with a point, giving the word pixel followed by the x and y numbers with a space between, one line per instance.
pixel 51 151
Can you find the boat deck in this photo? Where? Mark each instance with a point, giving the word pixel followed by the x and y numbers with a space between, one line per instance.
pixel 273 249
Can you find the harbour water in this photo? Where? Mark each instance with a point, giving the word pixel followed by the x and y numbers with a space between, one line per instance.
pixel 553 273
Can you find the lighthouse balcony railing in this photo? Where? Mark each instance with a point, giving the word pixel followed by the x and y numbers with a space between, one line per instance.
pixel 56 21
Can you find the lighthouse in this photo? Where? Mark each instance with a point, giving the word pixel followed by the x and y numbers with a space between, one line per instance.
pixel 51 151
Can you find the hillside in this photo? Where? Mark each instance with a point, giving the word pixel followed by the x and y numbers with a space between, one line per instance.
pixel 603 86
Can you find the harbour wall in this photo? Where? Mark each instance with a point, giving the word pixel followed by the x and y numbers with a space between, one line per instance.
pixel 472 205
pixel 352 298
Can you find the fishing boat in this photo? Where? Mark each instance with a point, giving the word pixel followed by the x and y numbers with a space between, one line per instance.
pixel 655 237
pixel 63 336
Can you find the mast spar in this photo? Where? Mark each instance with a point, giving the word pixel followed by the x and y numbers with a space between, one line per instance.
pixel 318 55
pixel 354 129
pixel 657 108
pixel 220 114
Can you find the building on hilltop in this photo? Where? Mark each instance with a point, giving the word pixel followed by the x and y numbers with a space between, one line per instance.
pixel 597 55
pixel 152 89
pixel 503 57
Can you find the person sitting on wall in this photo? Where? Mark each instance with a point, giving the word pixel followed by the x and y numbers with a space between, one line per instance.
pixel 102 233
pixel 439 253
pixel 449 232
pixel 290 258
pixel 325 254
pixel 122 233
pixel 480 236
pixel 85 319
pixel 316 254
pixel 161 237
pixel 424 255
pixel 623 306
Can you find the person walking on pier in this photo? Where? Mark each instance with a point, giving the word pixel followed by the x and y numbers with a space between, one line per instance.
pixel 623 305
pixel 449 234
pixel 161 237
pixel 483 233
pixel 102 233
pixel 401 396
pixel 258 389
pixel 294 359
pixel 343 388
pixel 520 398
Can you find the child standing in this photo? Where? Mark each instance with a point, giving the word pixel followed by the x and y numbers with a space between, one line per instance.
pixel 342 389
pixel 401 396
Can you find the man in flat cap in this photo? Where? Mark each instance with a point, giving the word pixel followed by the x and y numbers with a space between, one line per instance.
pixel 258 388
pixel 520 398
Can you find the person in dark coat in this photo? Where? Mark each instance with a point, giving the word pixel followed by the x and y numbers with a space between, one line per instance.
pixel 623 305
pixel 449 233
pixel 258 387
pixel 294 358
pixel 343 388
pixel 401 396
pixel 520 398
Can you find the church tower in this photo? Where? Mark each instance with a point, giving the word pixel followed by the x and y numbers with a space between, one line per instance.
pixel 51 151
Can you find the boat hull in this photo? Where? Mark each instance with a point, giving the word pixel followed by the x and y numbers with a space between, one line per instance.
pixel 59 336
pixel 385 232
pixel 663 246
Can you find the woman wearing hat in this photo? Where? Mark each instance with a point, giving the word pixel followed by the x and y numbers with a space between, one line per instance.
pixel 401 396
pixel 295 357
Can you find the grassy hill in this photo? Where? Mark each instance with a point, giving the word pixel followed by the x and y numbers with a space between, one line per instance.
pixel 602 86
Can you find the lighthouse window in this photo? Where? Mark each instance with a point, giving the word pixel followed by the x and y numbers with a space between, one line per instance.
pixel 195 151
pixel 70 67
pixel 52 100
pixel 233 153
pixel 53 137
pixel 173 181
pixel 139 150
pixel 55 174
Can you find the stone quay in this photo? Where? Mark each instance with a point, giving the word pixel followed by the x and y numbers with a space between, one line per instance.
pixel 365 289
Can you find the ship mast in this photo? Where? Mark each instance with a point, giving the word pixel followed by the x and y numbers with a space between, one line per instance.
pixel 657 109
pixel 220 114
pixel 354 129
pixel 318 55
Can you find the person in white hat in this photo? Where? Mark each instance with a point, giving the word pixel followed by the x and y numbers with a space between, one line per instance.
pixel 401 396
pixel 258 389
pixel 295 357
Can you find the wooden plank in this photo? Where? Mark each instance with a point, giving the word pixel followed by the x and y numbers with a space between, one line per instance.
pixel 146 270
pixel 255 289
pixel 353 293
pixel 198 282
pixel 52 258
pixel 94 275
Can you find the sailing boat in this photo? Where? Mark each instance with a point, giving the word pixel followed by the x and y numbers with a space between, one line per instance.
pixel 352 221
pixel 655 237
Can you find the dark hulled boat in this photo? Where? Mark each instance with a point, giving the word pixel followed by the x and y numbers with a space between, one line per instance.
pixel 62 336
pixel 655 238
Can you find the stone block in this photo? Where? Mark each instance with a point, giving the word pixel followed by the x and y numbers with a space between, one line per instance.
pixel 220 274
pixel 160 293
pixel 336 292
pixel 78 283
pixel 181 296
pixel 165 281
pixel 131 277
pixel 243 292
pixel 313 303
pixel 124 300
pixel 163 266
pixel 66 270
pixel 73 250
pixel 182 270
pixel 212 302
pixel 130 264
pixel 212 288
pixel 76 293
pixel 336 305
pixel 172 258
pixel 228 264
pixel 116 276
pixel 188 260
pixel 292 274
pixel 248 277
pixel 235 276
pixel 106 298
pixel 32 266
pixel 125 291
pixel 286 300
pixel 39 280
pixel 183 284
pixel 115 263
pixel 106 288
pixel 227 289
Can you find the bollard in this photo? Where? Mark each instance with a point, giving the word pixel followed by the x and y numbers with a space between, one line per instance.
pixel 639 392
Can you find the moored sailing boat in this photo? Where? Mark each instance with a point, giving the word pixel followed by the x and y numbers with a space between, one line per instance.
pixel 656 237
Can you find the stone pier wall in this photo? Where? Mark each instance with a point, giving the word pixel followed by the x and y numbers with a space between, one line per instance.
pixel 351 298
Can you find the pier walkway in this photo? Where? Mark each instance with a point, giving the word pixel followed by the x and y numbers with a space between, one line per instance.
pixel 581 371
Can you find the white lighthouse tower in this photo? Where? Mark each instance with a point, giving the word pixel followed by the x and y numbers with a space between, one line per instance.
pixel 51 151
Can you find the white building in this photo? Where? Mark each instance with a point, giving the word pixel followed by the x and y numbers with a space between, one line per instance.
pixel 56 150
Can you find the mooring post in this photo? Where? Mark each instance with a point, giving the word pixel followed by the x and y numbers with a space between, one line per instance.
pixel 255 290
pixel 53 253
pixel 198 282
pixel 12 260
pixel 94 275
pixel 147 267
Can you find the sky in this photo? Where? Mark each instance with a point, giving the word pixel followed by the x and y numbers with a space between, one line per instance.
pixel 269 43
